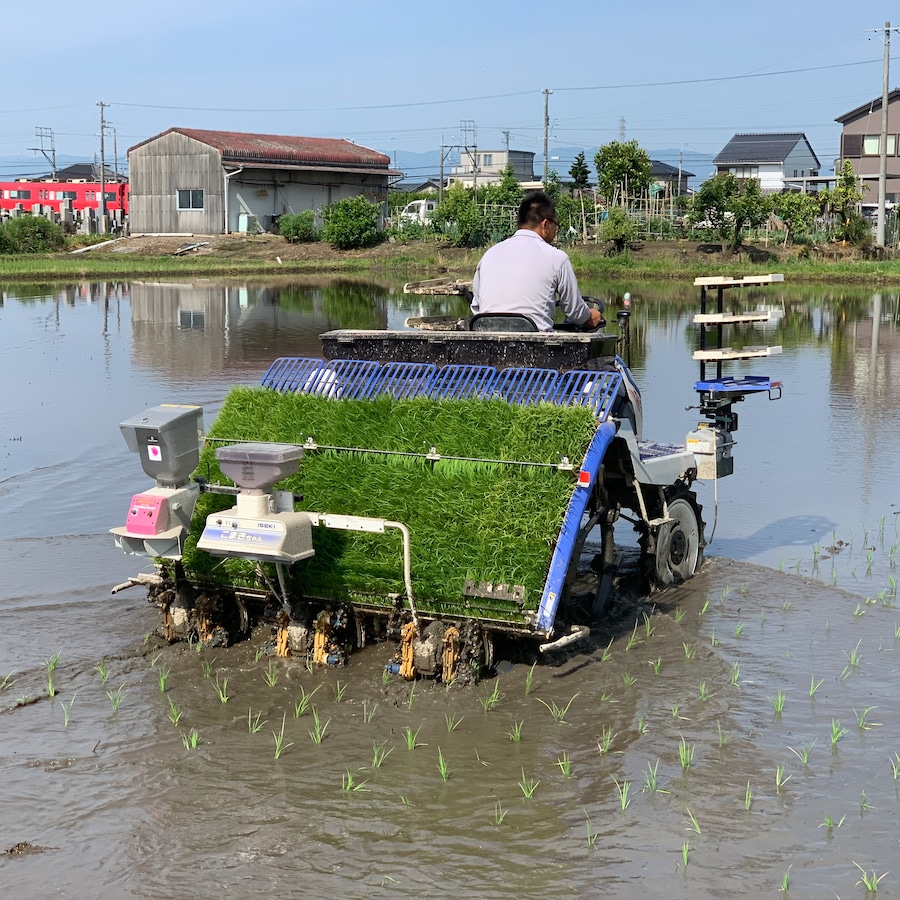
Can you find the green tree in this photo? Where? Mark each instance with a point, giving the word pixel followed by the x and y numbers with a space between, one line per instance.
pixel 299 227
pixel 617 228
pixel 843 200
pixel 351 223
pixel 30 234
pixel 622 167
pixel 458 219
pixel 505 192
pixel 797 211
pixel 579 173
pixel 728 206
pixel 553 187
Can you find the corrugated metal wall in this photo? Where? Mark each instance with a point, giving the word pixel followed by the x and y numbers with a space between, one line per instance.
pixel 161 167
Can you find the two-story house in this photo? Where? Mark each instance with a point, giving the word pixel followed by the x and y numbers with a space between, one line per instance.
pixel 486 166
pixel 861 144
pixel 773 159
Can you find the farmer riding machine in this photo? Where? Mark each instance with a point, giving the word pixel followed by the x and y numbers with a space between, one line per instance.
pixel 436 485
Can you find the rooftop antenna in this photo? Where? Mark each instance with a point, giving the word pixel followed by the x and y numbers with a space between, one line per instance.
pixel 47 133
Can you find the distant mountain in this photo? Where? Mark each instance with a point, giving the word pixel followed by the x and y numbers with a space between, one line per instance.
pixel 12 167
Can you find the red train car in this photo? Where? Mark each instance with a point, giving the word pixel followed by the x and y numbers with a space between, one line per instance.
pixel 83 194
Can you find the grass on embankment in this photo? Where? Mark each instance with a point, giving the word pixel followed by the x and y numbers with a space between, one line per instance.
pixel 426 259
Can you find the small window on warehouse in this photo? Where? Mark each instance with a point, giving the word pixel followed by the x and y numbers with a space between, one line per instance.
pixel 190 199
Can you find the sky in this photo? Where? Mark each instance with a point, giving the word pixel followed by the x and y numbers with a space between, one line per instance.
pixel 412 76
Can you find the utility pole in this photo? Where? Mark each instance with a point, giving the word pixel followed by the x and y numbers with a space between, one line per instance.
pixel 116 155
pixel 42 133
pixel 882 144
pixel 101 206
pixel 441 181
pixel 469 131
pixel 546 92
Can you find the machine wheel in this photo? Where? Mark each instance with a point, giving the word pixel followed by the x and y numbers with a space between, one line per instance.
pixel 679 543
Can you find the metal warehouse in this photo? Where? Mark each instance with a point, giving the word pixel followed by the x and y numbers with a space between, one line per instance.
pixel 188 180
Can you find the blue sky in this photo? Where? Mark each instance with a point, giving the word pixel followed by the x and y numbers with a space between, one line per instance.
pixel 402 76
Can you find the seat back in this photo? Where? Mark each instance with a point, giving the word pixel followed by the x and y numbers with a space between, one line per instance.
pixel 515 322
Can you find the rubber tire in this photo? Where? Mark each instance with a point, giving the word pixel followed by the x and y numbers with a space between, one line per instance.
pixel 679 542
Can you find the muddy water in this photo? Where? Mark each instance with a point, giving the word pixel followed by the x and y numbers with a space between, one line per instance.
pixel 101 797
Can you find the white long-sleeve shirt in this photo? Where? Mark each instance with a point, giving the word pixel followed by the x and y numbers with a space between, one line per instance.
pixel 524 274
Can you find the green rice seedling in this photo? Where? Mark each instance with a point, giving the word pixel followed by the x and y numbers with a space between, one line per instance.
pixel 280 745
pixel 301 707
pixel 780 779
pixel 52 664
pixel 385 676
pixel 814 685
pixel 67 709
pixel 785 605
pixel 515 733
pixel 559 712
pixel 442 766
pixel 864 804
pixel 748 797
pixel 785 881
pixel 452 722
pixel 897 632
pixel 869 881
pixel 725 593
pixel 368 711
pixel 628 678
pixel 862 721
pixel 7 682
pixel 836 732
pixel 155 659
pixel 859 611
pixel 622 790
pixel 116 696
pixel 803 753
pixel 632 638
pixel 656 664
pixel 317 732
pixel 606 655
pixel 412 696
pixel 642 726
pixel 651 780
pixel 499 813
pixel 606 739
pixel 829 823
pixel 739 629
pixel 834 575
pixel 675 708
pixel 405 801
pixel 410 736
pixel 191 740
pixel 256 722
pixel 207 667
pixel 529 679
pixel 705 607
pixel 694 823
pixel 607 697
pixel 270 676
pixel 685 853
pixel 723 735
pixel 703 692
pixel 221 688
pixel 736 673
pixel 777 703
pixel 685 754
pixel 349 782
pixel 679 613
pixel 528 785
pixel 762 617
pixel 565 765
pixel 895 765
pixel 259 654
pixel 491 700
pixel 339 690
pixel 648 627
pixel 591 834
pixel 713 640
pixel 690 651
pixel 51 687
pixel 380 753
pixel 102 669
pixel 174 712
pixel 854 657
pixel 163 675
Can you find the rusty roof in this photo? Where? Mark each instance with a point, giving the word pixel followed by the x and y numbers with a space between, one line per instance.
pixel 238 147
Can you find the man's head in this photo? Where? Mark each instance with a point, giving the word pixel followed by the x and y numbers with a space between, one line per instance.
pixel 537 213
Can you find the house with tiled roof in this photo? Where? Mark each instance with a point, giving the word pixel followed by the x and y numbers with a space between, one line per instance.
pixel 188 180
pixel 668 180
pixel 773 159
pixel 861 144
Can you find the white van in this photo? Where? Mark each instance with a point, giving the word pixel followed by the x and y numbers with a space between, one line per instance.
pixel 418 211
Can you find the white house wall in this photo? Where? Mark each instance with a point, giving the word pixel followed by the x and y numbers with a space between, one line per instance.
pixel 800 163
pixel 771 177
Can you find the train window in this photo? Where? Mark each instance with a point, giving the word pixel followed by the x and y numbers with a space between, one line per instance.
pixel 190 199
pixel 18 195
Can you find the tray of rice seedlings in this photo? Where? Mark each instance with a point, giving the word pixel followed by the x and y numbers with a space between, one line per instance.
pixel 478 483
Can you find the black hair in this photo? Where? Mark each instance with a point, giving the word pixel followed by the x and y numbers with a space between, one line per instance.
pixel 536 207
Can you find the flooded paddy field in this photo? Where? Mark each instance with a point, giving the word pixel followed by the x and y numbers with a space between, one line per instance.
pixel 729 737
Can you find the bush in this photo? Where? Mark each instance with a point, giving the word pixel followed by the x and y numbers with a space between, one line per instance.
pixel 351 223
pixel 299 227
pixel 30 234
